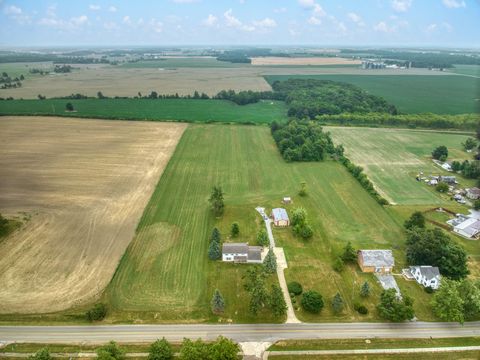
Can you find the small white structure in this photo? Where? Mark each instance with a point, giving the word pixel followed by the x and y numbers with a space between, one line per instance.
pixel 446 166
pixel 469 227
pixel 280 217
pixel 287 200
pixel 427 276
pixel 473 193
pixel 241 253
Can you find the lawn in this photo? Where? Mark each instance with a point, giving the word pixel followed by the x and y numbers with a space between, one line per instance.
pixel 189 110
pixel 165 274
pixel 461 355
pixel 392 159
pixel 449 94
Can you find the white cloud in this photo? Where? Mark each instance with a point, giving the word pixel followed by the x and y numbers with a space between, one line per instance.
pixel 454 4
pixel 211 20
pixel 280 10
pixel 356 19
pixel 430 28
pixel 156 25
pixel 126 20
pixel 382 26
pixel 265 23
pixel 51 11
pixel 79 20
pixel 318 10
pixel 314 21
pixel 112 9
pixel 401 5
pixel 94 7
pixel 110 26
pixel 447 26
pixel 232 21
pixel 185 1
pixel 12 10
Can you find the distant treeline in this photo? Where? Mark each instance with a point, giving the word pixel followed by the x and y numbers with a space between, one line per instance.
pixel 427 120
pixel 26 57
pixel 245 55
pixel 422 59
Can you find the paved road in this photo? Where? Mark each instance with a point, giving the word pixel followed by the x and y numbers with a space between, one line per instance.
pixel 240 332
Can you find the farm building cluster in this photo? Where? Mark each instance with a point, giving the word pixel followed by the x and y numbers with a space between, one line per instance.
pixel 467 226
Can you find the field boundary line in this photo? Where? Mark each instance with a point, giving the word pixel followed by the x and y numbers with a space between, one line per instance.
pixel 372 351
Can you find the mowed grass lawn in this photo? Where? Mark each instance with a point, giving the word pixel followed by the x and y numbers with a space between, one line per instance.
pixel 392 159
pixel 189 110
pixel 440 94
pixel 165 274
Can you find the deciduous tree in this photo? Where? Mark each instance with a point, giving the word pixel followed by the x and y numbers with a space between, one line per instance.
pixel 160 350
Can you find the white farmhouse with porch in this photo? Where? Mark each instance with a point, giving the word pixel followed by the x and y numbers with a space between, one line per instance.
pixel 241 253
pixel 428 276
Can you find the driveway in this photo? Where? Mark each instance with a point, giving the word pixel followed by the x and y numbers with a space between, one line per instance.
pixel 388 282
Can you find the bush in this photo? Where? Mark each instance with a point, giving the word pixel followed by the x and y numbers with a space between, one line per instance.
pixel 440 153
pixel 160 350
pixel 361 309
pixel 97 313
pixel 442 187
pixel 428 290
pixel 111 351
pixel 312 301
pixel 338 265
pixel 295 288
pixel 235 230
pixel 42 354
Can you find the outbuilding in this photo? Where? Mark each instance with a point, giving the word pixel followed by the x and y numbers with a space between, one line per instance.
pixel 280 217
pixel 473 193
pixel 377 261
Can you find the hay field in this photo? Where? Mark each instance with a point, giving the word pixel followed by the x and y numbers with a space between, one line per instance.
pixel 165 274
pixel 129 79
pixel 85 184
pixel 277 60
pixel 393 157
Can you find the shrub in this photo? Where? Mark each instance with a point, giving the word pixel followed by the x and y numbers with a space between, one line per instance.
pixel 295 288
pixel 97 313
pixel 338 265
pixel 160 350
pixel 235 230
pixel 42 354
pixel 428 289
pixel 440 153
pixel 442 187
pixel 312 301
pixel 361 309
pixel 111 351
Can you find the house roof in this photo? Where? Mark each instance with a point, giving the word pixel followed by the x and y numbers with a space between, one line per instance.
pixel 471 226
pixel 279 214
pixel 377 258
pixel 474 190
pixel 254 253
pixel 429 272
pixel 235 248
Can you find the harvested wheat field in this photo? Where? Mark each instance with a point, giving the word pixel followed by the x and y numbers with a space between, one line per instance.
pixel 274 60
pixel 85 184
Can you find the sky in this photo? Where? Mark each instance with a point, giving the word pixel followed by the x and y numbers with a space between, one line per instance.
pixel 427 23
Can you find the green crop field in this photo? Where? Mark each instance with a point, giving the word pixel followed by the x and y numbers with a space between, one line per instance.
pixel 471 70
pixel 189 110
pixel 165 274
pixel 447 94
pixel 181 62
pixel 392 159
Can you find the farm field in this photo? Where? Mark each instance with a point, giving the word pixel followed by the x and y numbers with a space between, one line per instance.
pixel 82 186
pixel 174 75
pixel 165 274
pixel 461 355
pixel 188 110
pixel 441 94
pixel 471 70
pixel 392 158
pixel 274 60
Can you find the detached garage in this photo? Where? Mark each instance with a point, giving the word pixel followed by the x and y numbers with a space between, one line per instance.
pixel 280 217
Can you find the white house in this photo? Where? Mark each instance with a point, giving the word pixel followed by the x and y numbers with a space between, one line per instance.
pixel 241 253
pixel 427 276
pixel 280 217
pixel 470 227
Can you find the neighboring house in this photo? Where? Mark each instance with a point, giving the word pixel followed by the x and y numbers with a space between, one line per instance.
pixel 469 227
pixel 280 217
pixel 450 180
pixel 241 253
pixel 378 261
pixel 428 276
pixel 473 193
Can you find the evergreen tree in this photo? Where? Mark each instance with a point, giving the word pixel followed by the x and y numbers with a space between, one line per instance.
pixel 270 262
pixel 349 253
pixel 214 251
pixel 365 290
pixel 215 235
pixel 235 229
pixel 218 303
pixel 277 301
pixel 337 303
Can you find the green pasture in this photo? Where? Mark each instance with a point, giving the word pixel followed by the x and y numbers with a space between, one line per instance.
pixel 189 110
